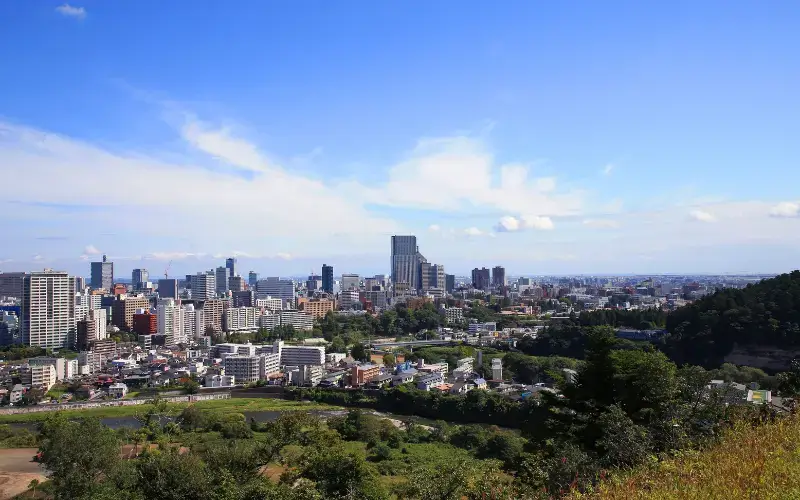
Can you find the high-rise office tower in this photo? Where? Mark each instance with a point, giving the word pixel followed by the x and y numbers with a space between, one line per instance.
pixel 450 282
pixel 139 277
pixel 236 283
pixel 222 275
pixel 498 276
pixel 480 278
pixel 424 277
pixel 168 288
pixel 252 279
pixel 277 289
pixel 47 313
pixel 204 285
pixel 327 278
pixel 438 277
pixel 102 274
pixel 405 260
pixel 11 285
pixel 230 263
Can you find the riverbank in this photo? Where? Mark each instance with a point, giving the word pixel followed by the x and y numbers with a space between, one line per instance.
pixel 234 405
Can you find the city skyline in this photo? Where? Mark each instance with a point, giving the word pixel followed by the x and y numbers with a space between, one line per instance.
pixel 564 149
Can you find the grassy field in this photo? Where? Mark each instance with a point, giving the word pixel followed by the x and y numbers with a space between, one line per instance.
pixel 751 463
pixel 235 405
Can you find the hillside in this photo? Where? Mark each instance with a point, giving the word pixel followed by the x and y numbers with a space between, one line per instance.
pixel 763 314
pixel 751 462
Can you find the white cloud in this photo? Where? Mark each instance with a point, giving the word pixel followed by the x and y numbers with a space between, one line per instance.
pixel 38 257
pixel 608 169
pixel 601 223
pixel 473 231
pixel 283 255
pixel 434 228
pixel 68 10
pixel 785 209
pixel 702 216
pixel 173 255
pixel 183 214
pixel 91 250
pixel 459 173
pixel 510 224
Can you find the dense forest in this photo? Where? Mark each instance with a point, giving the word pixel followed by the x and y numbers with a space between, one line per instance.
pixel 764 314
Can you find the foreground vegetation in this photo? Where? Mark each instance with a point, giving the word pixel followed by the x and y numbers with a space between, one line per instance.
pixel 751 462
pixel 233 405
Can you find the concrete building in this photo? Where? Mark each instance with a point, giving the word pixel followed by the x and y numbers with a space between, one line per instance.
pixel 117 390
pixel 213 310
pixel 269 303
pixel 299 354
pixel 47 310
pixel 219 381
pixel 362 374
pixel 193 322
pixel 327 278
pixel 498 276
pixel 236 284
pixel 123 308
pixel 203 285
pixel 350 282
pixel 246 369
pixel 252 279
pixel 222 275
pixel 41 377
pixel 241 318
pixel 139 277
pixel 9 328
pixel 243 298
pixel 438 278
pixel 405 261
pixel 168 288
pixel 59 364
pixel 428 381
pixel 145 323
pixel 313 283
pixel 270 365
pixel 276 288
pixel 11 285
pixel 377 298
pixel 480 278
pixel 497 369
pixel 317 308
pixel 298 319
pixel 170 321
pixel 453 315
pixel 348 298
pixel 102 274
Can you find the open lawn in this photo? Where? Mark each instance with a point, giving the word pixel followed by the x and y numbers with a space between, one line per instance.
pixel 235 405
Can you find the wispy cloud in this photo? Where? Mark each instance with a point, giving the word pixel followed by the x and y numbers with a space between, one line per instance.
pixel 68 10
pixel 608 169
pixel 434 228
pixel 601 223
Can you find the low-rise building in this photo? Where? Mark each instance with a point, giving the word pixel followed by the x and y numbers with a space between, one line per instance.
pixel 430 380
pixel 246 369
pixel 361 374
pixel 453 315
pixel 117 390
pixel 219 381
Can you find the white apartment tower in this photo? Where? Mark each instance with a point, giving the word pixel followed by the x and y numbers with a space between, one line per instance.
pixel 47 316
pixel 170 321
pixel 204 285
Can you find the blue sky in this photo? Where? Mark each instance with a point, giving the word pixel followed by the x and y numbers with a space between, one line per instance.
pixel 602 137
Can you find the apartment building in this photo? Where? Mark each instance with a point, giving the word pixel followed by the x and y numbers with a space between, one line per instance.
pixel 40 376
pixel 170 317
pixel 241 318
pixel 300 320
pixel 203 285
pixel 348 298
pixel 144 323
pixel 453 315
pixel 47 310
pixel 213 310
pixel 317 308
pixel 362 374
pixel 300 355
pixel 269 303
pixel 246 369
pixel 124 307
pixel 350 282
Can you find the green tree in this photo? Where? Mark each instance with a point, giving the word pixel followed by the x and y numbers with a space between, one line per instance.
pixel 389 359
pixel 342 475
pixel 359 352
pixel 77 454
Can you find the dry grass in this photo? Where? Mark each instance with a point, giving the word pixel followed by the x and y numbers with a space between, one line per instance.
pixel 750 463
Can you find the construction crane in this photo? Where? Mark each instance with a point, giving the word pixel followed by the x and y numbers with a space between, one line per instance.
pixel 166 271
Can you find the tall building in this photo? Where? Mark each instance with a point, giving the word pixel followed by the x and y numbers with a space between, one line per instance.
pixel 139 277
pixel 230 263
pixel 47 311
pixel 222 275
pixel 244 298
pixel 203 285
pixel 170 321
pixel 236 284
pixel 11 285
pixel 327 278
pixel 313 283
pixel 102 274
pixel 480 278
pixel 450 282
pixel 252 279
pixel 123 308
pixel 405 260
pixel 438 277
pixel 498 276
pixel 424 275
pixel 168 288
pixel 350 281
pixel 276 288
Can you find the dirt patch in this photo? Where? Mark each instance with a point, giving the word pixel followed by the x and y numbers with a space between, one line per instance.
pixel 13 484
